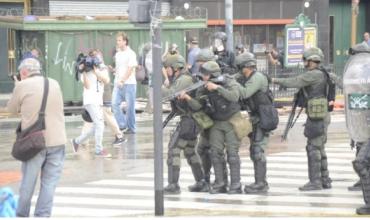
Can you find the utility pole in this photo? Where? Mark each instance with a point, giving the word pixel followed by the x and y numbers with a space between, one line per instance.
pixel 229 24
pixel 354 21
pixel 155 30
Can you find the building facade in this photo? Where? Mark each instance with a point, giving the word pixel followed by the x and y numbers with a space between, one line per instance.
pixel 256 22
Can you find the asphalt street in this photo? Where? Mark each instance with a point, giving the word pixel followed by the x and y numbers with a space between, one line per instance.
pixel 124 185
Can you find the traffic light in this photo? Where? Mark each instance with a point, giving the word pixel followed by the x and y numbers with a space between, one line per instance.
pixel 139 11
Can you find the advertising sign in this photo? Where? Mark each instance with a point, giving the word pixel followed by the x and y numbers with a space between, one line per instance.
pixel 299 36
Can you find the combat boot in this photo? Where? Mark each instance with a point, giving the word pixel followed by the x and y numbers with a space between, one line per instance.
pixel 363 210
pixel 235 188
pixel 316 185
pixel 260 185
pixel 314 173
pixel 356 187
pixel 234 164
pixel 200 186
pixel 172 189
pixel 325 179
pixel 326 182
pixel 219 186
pixel 173 179
pixel 365 184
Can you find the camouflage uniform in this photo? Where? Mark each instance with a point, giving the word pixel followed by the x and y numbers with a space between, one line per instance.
pixel 177 141
pixel 252 88
pixel 203 146
pixel 221 104
pixel 314 84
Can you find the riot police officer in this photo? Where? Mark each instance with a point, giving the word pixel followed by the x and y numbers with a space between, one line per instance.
pixel 356 89
pixel 203 146
pixel 185 136
pixel 220 102
pixel 224 58
pixel 253 93
pixel 314 84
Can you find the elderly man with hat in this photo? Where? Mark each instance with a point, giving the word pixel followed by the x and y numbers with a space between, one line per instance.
pixel 26 100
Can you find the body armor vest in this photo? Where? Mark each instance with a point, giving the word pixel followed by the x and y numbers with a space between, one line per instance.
pixel 316 90
pixel 259 98
pixel 219 108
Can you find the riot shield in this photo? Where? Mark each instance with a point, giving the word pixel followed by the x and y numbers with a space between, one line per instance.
pixel 356 91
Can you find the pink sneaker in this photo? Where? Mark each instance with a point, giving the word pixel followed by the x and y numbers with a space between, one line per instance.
pixel 103 154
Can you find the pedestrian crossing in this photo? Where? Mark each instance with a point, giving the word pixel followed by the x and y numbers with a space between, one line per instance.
pixel 134 194
pixel 144 117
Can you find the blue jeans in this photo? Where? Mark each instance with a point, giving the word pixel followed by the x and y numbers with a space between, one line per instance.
pixel 126 93
pixel 96 114
pixel 50 162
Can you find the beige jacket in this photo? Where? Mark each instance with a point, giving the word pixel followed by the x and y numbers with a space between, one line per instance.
pixel 26 100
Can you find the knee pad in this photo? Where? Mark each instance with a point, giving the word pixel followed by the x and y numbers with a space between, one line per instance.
pixel 257 153
pixel 217 155
pixel 360 168
pixel 233 159
pixel 191 156
pixel 313 152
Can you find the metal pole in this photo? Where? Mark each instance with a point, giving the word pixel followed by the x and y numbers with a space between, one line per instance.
pixel 157 106
pixel 354 21
pixel 229 24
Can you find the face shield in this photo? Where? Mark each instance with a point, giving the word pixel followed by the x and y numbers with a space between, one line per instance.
pixel 218 45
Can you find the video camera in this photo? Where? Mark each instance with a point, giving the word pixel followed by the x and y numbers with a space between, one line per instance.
pixel 17 75
pixel 85 63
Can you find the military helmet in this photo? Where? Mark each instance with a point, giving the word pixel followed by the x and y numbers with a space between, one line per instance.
pixel 239 46
pixel 205 55
pixel 245 60
pixel 175 61
pixel 314 54
pixel 359 48
pixel 220 35
pixel 210 68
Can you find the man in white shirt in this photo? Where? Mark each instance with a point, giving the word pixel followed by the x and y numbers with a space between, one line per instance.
pixel 124 84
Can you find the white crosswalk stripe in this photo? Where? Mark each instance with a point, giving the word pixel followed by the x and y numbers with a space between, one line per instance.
pixel 134 195
pixel 282 118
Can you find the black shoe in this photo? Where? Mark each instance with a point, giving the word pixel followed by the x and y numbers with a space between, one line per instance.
pixel 256 188
pixel 218 190
pixel 363 210
pixel 172 189
pixel 235 189
pixel 356 187
pixel 119 141
pixel 200 186
pixel 311 186
pixel 326 183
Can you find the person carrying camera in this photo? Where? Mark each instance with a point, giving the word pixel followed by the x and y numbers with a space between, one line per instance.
pixel 26 100
pixel 93 80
